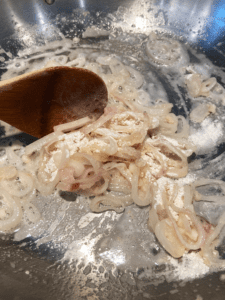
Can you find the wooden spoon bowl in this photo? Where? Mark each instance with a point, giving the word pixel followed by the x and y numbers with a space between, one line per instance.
pixel 37 101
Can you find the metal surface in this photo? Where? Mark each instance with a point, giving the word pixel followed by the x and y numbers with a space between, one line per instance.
pixel 30 273
pixel 201 22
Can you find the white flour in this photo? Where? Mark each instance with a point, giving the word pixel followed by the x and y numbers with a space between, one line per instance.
pixel 191 266
pixel 87 219
pixel 162 182
pixel 207 136
pixel 73 141
pixel 186 180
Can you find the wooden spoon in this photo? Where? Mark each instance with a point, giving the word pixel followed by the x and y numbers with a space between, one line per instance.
pixel 37 101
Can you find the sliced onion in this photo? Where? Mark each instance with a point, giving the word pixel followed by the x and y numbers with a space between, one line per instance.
pixel 126 199
pixel 61 157
pixel 103 187
pixel 62 186
pixel 144 200
pixel 195 221
pixel 79 62
pixel 164 51
pixel 37 145
pixel 112 146
pixel 136 79
pixel 156 111
pixel 211 242
pixel 19 189
pixel 104 60
pixel 193 82
pixel 46 188
pixel 89 182
pixel 8 172
pixel 13 158
pixel 109 112
pixel 72 125
pixel 166 235
pixel 115 65
pixel 188 197
pixel 52 63
pixel 168 124
pixel 207 86
pixel 121 167
pixel 66 175
pixel 77 166
pixel 13 212
pixel 157 156
pixel 118 187
pixel 218 93
pixel 94 68
pixel 184 133
pixel 128 153
pixel 203 182
pixel 206 181
pixel 182 167
pixel 133 138
pixel 96 164
pixel 31 212
pixel 199 113
pixel 62 59
pixel 127 94
pixel 107 132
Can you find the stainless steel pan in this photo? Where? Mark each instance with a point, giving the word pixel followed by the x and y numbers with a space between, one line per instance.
pixel 31 272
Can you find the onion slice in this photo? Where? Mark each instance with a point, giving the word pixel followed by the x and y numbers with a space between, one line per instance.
pixel 109 112
pixel 72 125
pixel 10 212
